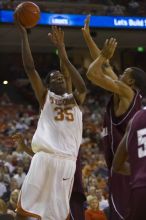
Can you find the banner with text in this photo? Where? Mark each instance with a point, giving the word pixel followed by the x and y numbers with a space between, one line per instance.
pixel 72 20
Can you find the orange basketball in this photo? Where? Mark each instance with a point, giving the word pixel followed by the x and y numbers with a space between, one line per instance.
pixel 28 14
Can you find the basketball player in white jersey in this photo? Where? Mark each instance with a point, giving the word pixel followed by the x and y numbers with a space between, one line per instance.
pixel 46 190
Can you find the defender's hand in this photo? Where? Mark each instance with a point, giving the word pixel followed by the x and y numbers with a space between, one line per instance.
pixel 86 28
pixel 109 48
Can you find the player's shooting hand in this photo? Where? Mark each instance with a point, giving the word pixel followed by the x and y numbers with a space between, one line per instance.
pixel 109 48
pixel 18 139
pixel 57 37
pixel 21 29
pixel 86 28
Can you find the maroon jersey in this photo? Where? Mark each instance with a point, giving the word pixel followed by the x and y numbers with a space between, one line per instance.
pixel 114 129
pixel 136 146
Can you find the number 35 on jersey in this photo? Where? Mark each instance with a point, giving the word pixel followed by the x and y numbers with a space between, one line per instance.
pixel 62 114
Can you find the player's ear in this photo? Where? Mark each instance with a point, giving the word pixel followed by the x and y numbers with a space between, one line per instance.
pixel 131 81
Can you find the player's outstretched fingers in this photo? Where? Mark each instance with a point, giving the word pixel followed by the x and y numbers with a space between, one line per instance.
pixel 86 28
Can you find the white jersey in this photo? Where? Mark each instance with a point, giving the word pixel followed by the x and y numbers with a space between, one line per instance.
pixel 59 128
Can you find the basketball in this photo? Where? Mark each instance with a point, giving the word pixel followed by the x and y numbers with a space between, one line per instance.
pixel 28 14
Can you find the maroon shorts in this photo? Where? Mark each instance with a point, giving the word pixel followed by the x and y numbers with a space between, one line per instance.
pixel 137 204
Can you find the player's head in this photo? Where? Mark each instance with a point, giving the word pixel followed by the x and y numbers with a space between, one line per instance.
pixel 55 81
pixel 135 77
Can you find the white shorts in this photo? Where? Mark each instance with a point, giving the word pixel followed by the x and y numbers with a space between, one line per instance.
pixel 46 190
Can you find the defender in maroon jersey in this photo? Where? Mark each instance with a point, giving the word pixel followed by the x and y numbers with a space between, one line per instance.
pixel 124 103
pixel 133 147
pixel 115 128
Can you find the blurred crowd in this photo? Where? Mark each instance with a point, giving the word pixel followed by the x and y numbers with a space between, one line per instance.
pixel 22 118
pixel 94 7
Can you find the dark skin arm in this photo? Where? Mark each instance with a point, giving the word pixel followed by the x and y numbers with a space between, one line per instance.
pixel 19 140
pixel 97 76
pixel 120 164
pixel 93 48
pixel 67 77
pixel 95 51
pixel 28 63
pixel 63 69
pixel 57 37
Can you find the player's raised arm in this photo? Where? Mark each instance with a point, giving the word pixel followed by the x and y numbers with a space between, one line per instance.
pixel 76 78
pixel 29 66
pixel 67 77
pixel 105 54
pixel 96 75
pixel 63 68
pixel 94 49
